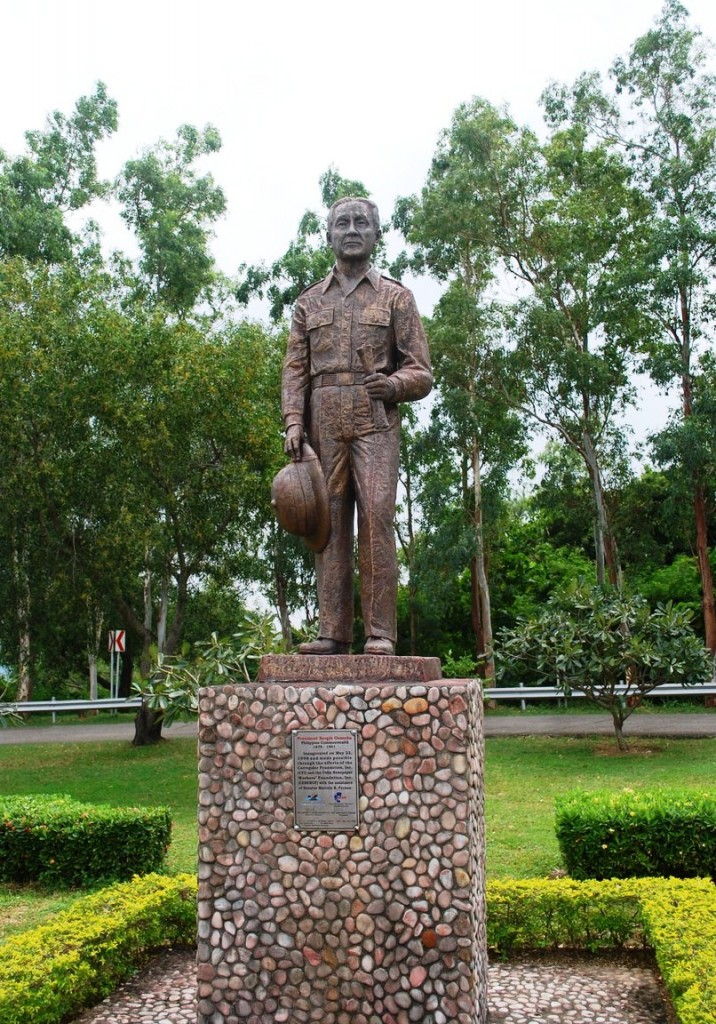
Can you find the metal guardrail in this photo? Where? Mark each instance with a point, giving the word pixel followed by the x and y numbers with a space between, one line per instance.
pixel 552 692
pixel 520 693
pixel 57 706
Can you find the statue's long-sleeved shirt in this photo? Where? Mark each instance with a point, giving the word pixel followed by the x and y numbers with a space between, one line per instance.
pixel 332 323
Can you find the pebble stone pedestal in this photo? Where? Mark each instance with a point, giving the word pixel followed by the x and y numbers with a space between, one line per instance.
pixel 382 924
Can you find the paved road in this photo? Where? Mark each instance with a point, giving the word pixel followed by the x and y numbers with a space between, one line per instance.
pixel 696 724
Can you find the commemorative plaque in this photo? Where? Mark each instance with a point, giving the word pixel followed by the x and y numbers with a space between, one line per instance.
pixel 325 780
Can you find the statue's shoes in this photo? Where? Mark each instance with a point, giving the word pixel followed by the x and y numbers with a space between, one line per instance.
pixel 324 645
pixel 379 645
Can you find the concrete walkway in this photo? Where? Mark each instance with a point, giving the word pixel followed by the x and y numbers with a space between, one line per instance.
pixel 686 725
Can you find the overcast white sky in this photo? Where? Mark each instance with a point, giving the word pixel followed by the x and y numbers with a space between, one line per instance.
pixel 294 87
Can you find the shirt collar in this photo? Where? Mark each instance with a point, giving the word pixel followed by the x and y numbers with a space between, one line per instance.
pixel 371 275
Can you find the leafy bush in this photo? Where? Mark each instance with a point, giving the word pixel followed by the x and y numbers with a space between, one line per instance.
pixel 50 973
pixel 551 914
pixel 637 833
pixel 57 840
pixel 610 646
pixel 171 691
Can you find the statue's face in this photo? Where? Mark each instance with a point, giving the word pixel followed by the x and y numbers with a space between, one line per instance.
pixel 352 235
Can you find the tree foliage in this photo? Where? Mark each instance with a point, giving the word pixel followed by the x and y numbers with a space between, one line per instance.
pixel 56 176
pixel 171 208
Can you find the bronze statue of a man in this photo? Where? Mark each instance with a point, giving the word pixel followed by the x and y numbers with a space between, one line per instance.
pixel 357 349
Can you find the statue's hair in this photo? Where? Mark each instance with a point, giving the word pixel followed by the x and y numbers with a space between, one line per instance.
pixel 373 209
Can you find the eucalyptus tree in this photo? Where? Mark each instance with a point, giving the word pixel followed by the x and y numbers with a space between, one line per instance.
pixel 56 176
pixel 471 422
pixel 562 220
pixel 482 436
pixel 171 208
pixel 671 139
pixel 662 117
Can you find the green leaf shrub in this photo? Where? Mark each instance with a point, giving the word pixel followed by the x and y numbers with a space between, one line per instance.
pixel 49 974
pixel 645 833
pixel 676 917
pixel 681 926
pixel 550 914
pixel 58 841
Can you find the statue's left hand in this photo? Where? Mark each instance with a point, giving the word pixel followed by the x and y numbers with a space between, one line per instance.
pixel 292 444
pixel 379 386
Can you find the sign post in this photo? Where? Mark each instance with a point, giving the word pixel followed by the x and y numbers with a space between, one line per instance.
pixel 117 644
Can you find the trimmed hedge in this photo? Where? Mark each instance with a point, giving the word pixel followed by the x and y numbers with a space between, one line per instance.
pixel 50 973
pixel 563 913
pixel 681 926
pixel 677 917
pixel 59 841
pixel 650 833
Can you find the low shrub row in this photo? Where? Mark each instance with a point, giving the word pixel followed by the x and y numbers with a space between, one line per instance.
pixel 681 926
pixel 535 914
pixel 50 973
pixel 58 841
pixel 633 833
pixel 675 917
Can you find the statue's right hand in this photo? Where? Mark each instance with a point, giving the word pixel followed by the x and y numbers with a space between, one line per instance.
pixel 293 442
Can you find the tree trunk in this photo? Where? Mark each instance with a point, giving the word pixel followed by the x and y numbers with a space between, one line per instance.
pixel 282 608
pixel 707 583
pixel 607 558
pixel 24 672
pixel 162 617
pixel 619 732
pixel 146 663
pixel 94 640
pixel 482 612
pixel 413 617
pixel 147 726
pixel 699 497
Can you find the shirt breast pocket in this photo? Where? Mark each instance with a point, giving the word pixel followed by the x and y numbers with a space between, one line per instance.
pixel 319 326
pixel 374 330
pixel 374 316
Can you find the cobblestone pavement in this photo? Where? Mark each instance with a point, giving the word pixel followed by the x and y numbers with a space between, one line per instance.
pixel 543 990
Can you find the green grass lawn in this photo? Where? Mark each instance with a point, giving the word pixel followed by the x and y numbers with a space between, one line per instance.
pixel 522 777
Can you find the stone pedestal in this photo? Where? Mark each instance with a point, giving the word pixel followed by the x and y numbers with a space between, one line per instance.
pixel 381 924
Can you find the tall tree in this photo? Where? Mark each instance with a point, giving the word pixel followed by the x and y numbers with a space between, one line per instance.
pixel 475 425
pixel 470 418
pixel 171 207
pixel 561 217
pixel 669 132
pixel 54 178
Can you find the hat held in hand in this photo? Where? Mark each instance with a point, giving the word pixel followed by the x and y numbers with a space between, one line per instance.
pixel 300 500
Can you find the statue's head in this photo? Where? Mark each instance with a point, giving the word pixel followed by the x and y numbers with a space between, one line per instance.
pixel 353 227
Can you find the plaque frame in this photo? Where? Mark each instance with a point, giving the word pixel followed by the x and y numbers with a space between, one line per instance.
pixel 326 794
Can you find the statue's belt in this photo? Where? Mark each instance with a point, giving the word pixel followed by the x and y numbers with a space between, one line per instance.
pixel 330 380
